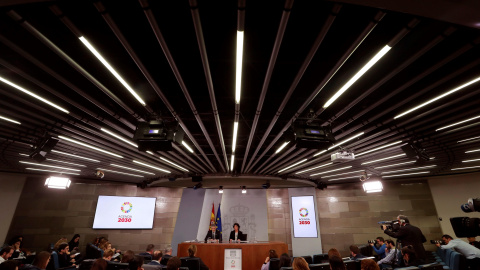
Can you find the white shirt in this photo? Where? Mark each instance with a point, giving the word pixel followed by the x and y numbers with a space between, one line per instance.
pixel 1 259
pixel 236 235
pixel 465 248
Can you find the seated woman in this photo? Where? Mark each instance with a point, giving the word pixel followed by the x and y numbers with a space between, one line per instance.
pixel 17 253
pixel 299 263
pixel 192 251
pixel 99 264
pixel 64 259
pixel 40 263
pixel 73 244
pixel 369 264
pixel 271 254
pixel 236 234
pixel 336 263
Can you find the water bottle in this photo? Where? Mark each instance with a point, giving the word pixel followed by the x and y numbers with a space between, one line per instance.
pixel 255 239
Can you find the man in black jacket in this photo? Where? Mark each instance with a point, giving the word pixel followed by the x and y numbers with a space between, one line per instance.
pixel 409 235
pixel 213 233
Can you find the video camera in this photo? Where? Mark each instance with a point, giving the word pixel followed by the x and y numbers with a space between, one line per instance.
pixel 393 225
pixel 372 241
pixel 437 242
pixel 465 226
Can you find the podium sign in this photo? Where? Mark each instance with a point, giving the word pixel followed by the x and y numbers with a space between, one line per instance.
pixel 233 259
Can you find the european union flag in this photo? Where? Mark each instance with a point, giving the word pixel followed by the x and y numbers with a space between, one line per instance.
pixel 219 219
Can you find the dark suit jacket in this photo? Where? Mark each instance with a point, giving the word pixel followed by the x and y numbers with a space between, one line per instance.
pixel 218 235
pixel 232 235
pixel 411 235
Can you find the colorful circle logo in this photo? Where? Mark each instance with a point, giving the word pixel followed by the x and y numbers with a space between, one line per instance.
pixel 302 213
pixel 124 207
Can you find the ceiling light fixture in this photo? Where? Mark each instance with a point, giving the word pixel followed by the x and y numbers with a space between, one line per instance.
pixel 89 146
pixel 378 148
pixel 347 140
pixel 465 168
pixel 300 162
pixel 151 153
pixel 359 74
pixel 439 97
pixel 235 130
pixel 151 166
pixel 70 163
pixel 471 160
pixel 323 165
pixel 469 139
pixel 111 69
pixel 33 95
pixel 220 190
pixel 319 153
pixel 238 82
pixel 343 178
pixel 472 151
pixel 10 120
pixel 50 166
pixel 35 169
pixel 410 169
pixel 58 182
pixel 372 186
pixel 75 156
pixel 232 162
pixel 187 146
pixel 458 123
pixel 112 171
pixel 334 170
pixel 382 159
pixel 396 164
pixel 405 174
pixel 281 147
pixel 333 175
pixel 131 169
pixel 119 137
pixel 244 189
pixel 168 161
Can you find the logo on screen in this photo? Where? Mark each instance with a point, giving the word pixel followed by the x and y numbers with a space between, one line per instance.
pixel 303 212
pixel 126 207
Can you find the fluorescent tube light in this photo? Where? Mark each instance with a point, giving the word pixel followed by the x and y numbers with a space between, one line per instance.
pixel 112 171
pixel 238 80
pixel 231 162
pixel 378 148
pixel 151 166
pixel 131 169
pixel 111 69
pixel 472 151
pixel 410 169
pixel 359 74
pixel 333 175
pixel 187 146
pixel 119 137
pixel 469 139
pixel 343 178
pixel 339 169
pixel 75 156
pixel 396 164
pixel 174 164
pixel 465 168
pixel 281 147
pixel 300 162
pixel 382 159
pixel 25 155
pixel 33 95
pixel 323 165
pixel 70 163
pixel 405 174
pixel 319 153
pixel 89 146
pixel 439 97
pixel 458 123
pixel 50 166
pixel 58 182
pixel 372 186
pixel 151 153
pixel 471 160
pixel 35 169
pixel 235 130
pixel 10 120
pixel 347 140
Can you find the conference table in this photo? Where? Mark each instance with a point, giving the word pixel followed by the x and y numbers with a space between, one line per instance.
pixel 253 254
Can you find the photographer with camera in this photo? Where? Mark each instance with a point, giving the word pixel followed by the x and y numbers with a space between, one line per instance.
pixel 390 250
pixel 381 247
pixel 408 234
pixel 470 252
pixel 473 242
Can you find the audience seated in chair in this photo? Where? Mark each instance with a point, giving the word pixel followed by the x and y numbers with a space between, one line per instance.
pixel 64 259
pixel 355 253
pixel 336 263
pixel 192 251
pixel 409 257
pixel 271 254
pixel 285 261
pixel 300 263
pixel 6 253
pixel 149 251
pixel 73 244
pixel 40 263
pixel 136 263
pixel 99 264
pixel 108 254
pixel 333 252
pixel 174 263
pixel 156 258
pixel 369 264
pixel 128 256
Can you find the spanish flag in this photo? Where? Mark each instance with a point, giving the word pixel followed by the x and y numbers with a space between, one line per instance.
pixel 212 218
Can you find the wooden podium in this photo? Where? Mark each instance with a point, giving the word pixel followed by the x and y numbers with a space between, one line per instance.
pixel 253 254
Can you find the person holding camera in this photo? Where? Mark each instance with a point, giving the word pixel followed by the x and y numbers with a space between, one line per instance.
pixel 408 235
pixel 381 247
pixel 470 252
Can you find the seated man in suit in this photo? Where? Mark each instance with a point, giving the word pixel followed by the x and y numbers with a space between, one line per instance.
pixel 157 256
pixel 236 234
pixel 213 233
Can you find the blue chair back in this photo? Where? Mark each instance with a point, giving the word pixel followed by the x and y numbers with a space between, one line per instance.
pixel 56 263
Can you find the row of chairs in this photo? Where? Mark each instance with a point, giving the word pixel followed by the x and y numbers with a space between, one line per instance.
pixel 450 259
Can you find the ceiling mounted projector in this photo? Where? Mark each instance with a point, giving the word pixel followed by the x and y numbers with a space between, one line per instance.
pixel 342 156
pixel 311 135
pixel 157 135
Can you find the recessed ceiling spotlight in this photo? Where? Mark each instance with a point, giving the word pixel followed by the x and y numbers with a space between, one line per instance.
pixel 220 190
pixel 244 189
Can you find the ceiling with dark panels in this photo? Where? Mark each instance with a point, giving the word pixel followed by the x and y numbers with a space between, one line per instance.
pixel 180 57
